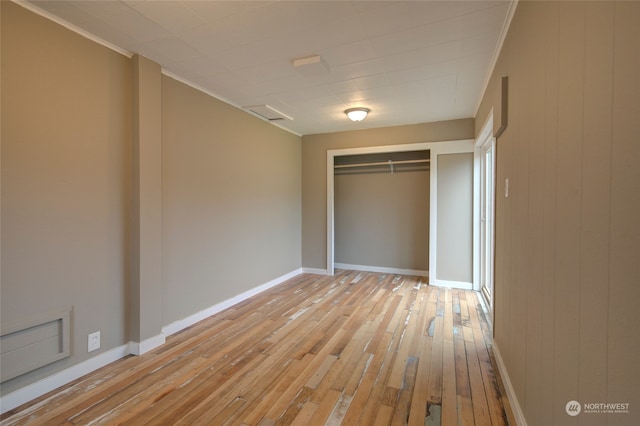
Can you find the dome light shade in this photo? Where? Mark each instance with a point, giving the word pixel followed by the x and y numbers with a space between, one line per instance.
pixel 357 114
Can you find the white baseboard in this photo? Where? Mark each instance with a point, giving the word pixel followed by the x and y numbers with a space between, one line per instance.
pixel 139 348
pixel 511 395
pixel 382 269
pixel 181 324
pixel 452 284
pixel 39 388
pixel 61 378
pixel 315 271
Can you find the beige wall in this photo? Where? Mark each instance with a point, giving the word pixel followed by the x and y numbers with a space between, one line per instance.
pixel 231 192
pixel 146 224
pixel 314 171
pixel 231 201
pixel 382 219
pixel 568 237
pixel 66 179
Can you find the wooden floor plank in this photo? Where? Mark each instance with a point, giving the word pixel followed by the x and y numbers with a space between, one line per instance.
pixel 403 405
pixel 492 390
pixel 296 385
pixel 421 391
pixel 305 415
pixel 372 388
pixel 272 395
pixel 354 348
pixel 463 388
pixel 383 416
pixel 326 406
pixel 478 395
pixel 449 401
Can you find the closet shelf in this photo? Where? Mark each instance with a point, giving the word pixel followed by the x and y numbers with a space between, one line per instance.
pixel 380 163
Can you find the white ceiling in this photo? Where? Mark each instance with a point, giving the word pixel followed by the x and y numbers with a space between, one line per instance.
pixel 408 61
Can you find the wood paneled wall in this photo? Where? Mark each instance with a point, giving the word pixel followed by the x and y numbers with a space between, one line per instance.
pixel 568 238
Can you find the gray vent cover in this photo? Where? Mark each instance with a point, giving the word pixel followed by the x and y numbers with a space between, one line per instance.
pixel 266 112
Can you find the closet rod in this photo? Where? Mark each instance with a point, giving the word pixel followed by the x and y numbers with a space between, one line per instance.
pixel 381 163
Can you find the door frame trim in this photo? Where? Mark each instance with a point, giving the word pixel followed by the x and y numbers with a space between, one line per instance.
pixel 435 149
pixel 485 137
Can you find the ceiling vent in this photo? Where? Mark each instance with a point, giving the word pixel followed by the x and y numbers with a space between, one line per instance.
pixel 266 112
pixel 311 66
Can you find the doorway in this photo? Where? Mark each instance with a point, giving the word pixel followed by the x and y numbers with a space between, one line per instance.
pixel 485 162
pixel 436 150
pixel 381 212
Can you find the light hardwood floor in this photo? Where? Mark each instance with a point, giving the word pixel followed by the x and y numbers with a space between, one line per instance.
pixel 354 348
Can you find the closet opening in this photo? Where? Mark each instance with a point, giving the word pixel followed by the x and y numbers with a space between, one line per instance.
pixel 381 212
pixel 449 212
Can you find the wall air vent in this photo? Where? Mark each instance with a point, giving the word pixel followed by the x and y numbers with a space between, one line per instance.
pixel 34 342
pixel 266 112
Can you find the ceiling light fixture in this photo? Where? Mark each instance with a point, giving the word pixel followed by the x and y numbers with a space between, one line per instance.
pixel 357 114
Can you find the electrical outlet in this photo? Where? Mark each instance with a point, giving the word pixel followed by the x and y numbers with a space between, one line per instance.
pixel 93 343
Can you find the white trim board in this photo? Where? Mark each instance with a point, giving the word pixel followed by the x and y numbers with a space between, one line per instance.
pixel 511 394
pixel 124 52
pixel 513 4
pixel 74 28
pixel 483 138
pixel 382 269
pixel 139 348
pixel 436 149
pixel 315 271
pixel 221 99
pixel 61 378
pixel 181 324
pixel 452 284
pixel 41 387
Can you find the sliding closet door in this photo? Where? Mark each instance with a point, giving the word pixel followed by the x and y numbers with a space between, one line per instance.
pixel 454 246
